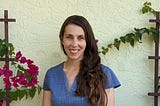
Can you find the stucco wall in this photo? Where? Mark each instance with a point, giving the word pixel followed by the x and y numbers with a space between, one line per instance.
pixel 36 29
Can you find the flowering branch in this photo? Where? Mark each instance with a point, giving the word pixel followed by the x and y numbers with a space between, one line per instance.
pixel 21 80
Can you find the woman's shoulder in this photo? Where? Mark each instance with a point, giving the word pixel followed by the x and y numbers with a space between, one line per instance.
pixel 106 69
pixel 111 77
pixel 55 69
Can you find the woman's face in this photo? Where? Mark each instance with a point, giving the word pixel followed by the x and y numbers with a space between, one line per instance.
pixel 74 42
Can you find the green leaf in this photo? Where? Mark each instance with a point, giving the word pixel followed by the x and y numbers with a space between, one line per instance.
pixel 19 72
pixel 104 50
pixel 117 43
pixel 14 95
pixel 2 53
pixel 103 47
pixel 130 38
pixel 147 31
pixel 21 93
pixel 3 50
pixel 127 37
pixel 39 89
pixel 131 41
pixel 154 33
pixel 123 39
pixel 6 48
pixel 21 68
pixel 138 36
pixel 110 45
pixel 11 49
pixel 2 94
pixel 13 63
pixel 32 92
pixel 156 36
pixel 147 8
pixel 28 78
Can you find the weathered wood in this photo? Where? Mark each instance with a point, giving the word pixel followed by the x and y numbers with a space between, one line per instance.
pixel 156 61
pixel 6 59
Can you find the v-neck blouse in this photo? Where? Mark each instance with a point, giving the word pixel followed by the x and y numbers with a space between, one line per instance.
pixel 56 81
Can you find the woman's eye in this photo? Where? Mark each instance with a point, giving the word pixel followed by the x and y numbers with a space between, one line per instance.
pixel 69 37
pixel 82 38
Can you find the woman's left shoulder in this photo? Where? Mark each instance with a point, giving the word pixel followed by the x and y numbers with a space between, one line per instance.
pixel 106 69
pixel 111 77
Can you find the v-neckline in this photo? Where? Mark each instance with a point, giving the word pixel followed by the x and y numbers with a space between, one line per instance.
pixel 66 82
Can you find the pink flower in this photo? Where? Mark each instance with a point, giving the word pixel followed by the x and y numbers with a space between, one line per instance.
pixel 23 60
pixel 29 61
pixel 32 82
pixel 1 103
pixel 22 79
pixel 15 82
pixel 8 73
pixel 18 55
pixel 15 85
pixel 1 72
pixel 31 72
pixel 7 83
pixel 5 67
pixel 33 67
pixel 97 41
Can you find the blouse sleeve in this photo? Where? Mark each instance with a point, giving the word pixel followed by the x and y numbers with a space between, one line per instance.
pixel 45 83
pixel 111 79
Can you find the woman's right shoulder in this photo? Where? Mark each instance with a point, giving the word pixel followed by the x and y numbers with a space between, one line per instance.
pixel 55 69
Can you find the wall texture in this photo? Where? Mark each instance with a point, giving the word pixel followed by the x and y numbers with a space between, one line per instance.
pixel 36 30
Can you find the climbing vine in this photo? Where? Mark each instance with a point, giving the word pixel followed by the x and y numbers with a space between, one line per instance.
pixel 136 35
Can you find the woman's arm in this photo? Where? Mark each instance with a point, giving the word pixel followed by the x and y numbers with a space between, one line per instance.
pixel 46 98
pixel 110 96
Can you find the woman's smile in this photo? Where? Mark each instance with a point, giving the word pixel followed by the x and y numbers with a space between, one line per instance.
pixel 74 51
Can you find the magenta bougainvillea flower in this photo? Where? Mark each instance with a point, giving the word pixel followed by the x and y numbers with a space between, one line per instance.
pixel 22 76
pixel 18 55
pixel 32 82
pixel 23 60
pixel 8 73
pixel 1 72
pixel 26 73
pixel 1 103
pixel 97 40
pixel 7 82
pixel 22 79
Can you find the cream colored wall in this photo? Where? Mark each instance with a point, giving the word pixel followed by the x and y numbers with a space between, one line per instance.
pixel 35 33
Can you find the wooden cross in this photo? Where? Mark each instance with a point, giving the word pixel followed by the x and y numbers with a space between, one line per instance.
pixel 6 58
pixel 156 58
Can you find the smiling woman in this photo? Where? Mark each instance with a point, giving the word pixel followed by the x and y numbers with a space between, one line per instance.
pixel 74 42
pixel 81 80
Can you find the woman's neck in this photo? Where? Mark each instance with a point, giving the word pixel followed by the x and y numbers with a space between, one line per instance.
pixel 71 64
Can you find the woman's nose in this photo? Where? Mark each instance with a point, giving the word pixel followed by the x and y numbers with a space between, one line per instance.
pixel 75 42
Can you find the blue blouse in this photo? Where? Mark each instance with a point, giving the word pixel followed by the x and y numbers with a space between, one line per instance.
pixel 56 81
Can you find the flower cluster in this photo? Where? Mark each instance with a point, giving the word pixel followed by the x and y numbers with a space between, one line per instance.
pixel 25 76
pixel 21 80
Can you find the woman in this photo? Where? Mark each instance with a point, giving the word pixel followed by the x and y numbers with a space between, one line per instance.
pixel 81 80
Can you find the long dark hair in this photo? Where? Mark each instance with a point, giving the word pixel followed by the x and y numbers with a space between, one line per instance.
pixel 90 79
